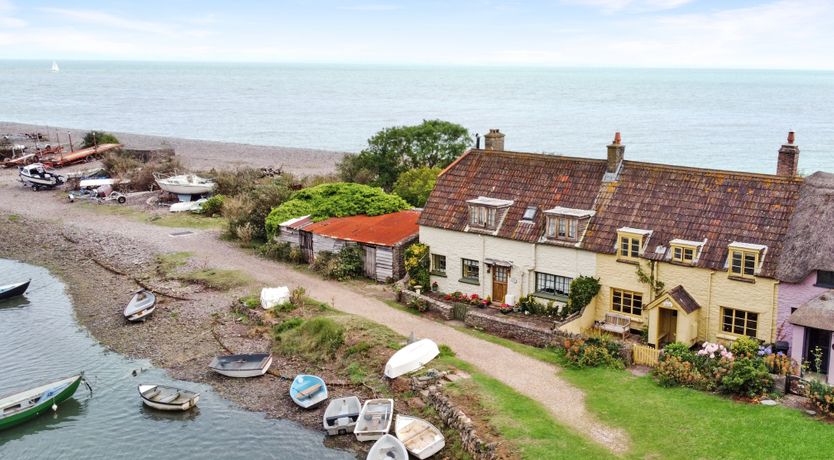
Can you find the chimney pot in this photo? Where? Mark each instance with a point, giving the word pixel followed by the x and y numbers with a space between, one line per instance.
pixel 788 160
pixel 494 140
pixel 616 153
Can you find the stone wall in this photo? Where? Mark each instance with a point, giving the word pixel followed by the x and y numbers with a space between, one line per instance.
pixel 508 328
pixel 441 308
pixel 456 419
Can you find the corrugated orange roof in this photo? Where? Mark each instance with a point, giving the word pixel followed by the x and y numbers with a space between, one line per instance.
pixel 385 230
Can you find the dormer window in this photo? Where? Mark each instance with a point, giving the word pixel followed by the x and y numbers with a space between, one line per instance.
pixel 630 242
pixel 684 251
pixel 565 223
pixel 743 259
pixel 485 212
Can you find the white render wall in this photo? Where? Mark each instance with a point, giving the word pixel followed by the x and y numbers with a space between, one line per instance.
pixel 526 259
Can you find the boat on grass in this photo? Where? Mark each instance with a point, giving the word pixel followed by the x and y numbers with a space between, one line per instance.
pixel 341 415
pixel 421 438
pixel 387 448
pixel 185 184
pixel 168 398
pixel 36 176
pixel 24 405
pixel 140 306
pixel 308 390
pixel 188 206
pixel 374 419
pixel 240 366
pixel 13 290
pixel 411 357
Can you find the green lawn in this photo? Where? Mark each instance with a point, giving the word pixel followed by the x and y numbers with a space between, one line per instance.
pixel 174 220
pixel 523 422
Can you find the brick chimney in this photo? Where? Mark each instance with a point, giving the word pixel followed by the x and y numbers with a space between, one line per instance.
pixel 616 152
pixel 494 140
pixel 788 158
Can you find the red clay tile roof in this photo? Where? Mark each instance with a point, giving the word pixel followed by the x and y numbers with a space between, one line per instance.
pixel 545 181
pixel 673 202
pixel 696 204
pixel 385 230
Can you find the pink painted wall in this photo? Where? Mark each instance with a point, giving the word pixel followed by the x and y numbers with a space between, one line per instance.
pixel 791 296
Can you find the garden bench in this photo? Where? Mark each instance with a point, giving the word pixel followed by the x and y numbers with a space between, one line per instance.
pixel 618 324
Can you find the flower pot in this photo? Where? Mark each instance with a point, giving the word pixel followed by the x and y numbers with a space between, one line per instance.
pixel 506 312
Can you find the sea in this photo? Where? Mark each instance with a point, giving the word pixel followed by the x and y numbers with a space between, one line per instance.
pixel 724 119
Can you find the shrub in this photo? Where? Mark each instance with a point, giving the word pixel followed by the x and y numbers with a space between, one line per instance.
pixel 674 371
pixel 140 175
pixel 420 305
pixel 529 304
pixel 238 181
pixel 333 200
pixel 345 264
pixel 779 363
pixel 93 138
pixel 745 347
pixel 415 185
pixel 246 233
pixel 286 325
pixel 822 396
pixel 298 297
pixel 747 377
pixel 213 206
pixel 594 350
pixel 679 350
pixel 417 266
pixel 583 289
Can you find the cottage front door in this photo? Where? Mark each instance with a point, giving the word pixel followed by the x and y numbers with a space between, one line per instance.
pixel 499 283
pixel 817 347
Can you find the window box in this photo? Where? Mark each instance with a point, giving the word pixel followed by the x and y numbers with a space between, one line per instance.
pixel 742 279
pixel 437 273
pixel 474 281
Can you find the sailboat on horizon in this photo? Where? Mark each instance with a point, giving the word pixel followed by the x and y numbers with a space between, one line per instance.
pixel 55 67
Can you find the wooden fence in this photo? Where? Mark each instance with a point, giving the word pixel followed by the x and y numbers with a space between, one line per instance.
pixel 646 356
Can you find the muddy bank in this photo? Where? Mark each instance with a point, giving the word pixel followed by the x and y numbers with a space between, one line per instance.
pixel 203 155
pixel 102 271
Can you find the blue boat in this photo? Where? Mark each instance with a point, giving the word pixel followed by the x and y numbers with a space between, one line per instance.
pixel 308 390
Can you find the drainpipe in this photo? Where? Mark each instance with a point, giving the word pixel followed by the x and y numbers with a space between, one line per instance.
pixel 483 256
pixel 709 305
pixel 775 312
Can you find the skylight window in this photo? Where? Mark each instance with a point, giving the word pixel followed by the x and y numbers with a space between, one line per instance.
pixel 529 213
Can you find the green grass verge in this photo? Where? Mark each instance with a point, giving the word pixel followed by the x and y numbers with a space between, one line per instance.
pixel 173 220
pixel 522 421
pixel 169 265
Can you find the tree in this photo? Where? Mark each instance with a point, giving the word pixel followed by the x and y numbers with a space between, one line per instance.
pixel 94 138
pixel 334 200
pixel 415 185
pixel 390 152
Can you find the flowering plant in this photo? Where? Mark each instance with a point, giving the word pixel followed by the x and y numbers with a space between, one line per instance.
pixel 504 308
pixel 713 350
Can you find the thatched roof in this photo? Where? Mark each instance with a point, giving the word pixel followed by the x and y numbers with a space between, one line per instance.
pixel 817 313
pixel 809 243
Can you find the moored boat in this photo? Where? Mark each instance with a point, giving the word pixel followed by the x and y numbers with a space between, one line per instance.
pixel 341 414
pixel 421 438
pixel 241 366
pixel 168 398
pixel 13 290
pixel 374 419
pixel 140 306
pixel 308 390
pixel 21 406
pixel 387 448
pixel 411 357
pixel 185 184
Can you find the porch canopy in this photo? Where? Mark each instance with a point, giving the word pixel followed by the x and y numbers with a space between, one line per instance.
pixel 817 313
pixel 673 317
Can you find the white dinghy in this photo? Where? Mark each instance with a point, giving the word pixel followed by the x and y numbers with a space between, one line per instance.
pixel 168 398
pixel 341 415
pixel 420 437
pixel 411 357
pixel 374 419
pixel 140 306
pixel 185 184
pixel 387 448
pixel 240 366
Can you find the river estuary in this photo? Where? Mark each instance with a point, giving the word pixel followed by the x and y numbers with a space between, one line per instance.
pixel 40 341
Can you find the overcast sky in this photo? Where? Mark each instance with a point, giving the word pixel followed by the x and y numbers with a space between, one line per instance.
pixel 787 34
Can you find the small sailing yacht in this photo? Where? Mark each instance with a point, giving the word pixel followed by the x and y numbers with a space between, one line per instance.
pixel 55 67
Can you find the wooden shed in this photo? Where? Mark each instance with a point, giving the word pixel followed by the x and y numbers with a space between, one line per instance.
pixel 383 239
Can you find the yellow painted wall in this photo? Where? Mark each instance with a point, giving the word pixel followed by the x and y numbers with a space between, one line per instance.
pixel 711 289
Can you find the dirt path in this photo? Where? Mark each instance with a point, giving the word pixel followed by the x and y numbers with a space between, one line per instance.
pixel 533 378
